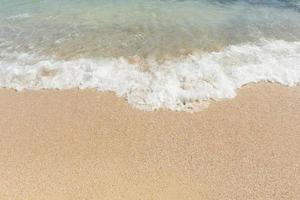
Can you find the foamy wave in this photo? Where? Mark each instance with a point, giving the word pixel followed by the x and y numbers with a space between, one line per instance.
pixel 178 84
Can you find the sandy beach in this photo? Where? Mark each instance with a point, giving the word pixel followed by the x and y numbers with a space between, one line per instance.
pixel 77 77
pixel 91 145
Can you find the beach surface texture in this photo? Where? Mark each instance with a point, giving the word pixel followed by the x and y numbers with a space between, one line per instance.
pixel 90 145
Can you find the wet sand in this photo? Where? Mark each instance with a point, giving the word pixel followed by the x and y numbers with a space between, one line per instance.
pixel 90 145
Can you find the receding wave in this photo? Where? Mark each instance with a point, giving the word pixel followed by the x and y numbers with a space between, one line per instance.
pixel 181 84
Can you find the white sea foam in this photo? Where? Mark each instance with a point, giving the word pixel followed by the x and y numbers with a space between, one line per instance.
pixel 20 16
pixel 177 84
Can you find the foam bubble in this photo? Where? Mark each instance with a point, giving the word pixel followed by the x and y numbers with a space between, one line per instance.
pixel 179 84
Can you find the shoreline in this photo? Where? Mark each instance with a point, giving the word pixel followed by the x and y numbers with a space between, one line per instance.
pixel 84 144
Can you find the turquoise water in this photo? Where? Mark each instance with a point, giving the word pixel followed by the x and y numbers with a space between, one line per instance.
pixel 93 28
pixel 155 53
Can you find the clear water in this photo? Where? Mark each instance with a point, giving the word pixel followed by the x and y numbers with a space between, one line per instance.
pixel 152 47
pixel 93 28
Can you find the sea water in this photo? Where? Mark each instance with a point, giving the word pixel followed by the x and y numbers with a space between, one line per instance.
pixel 174 54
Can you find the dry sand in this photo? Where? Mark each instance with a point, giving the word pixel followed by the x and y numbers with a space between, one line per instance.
pixel 90 145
